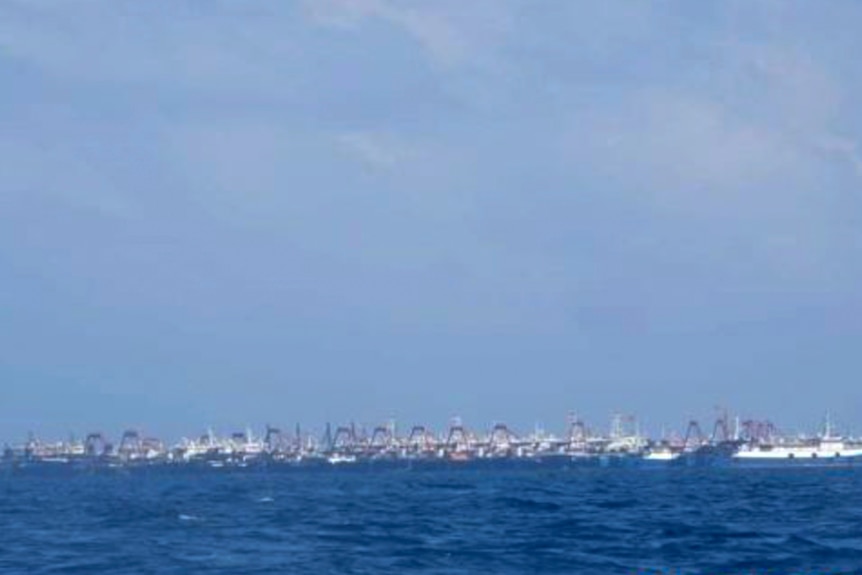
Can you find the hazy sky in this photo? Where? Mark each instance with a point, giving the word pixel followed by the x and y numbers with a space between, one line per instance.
pixel 238 212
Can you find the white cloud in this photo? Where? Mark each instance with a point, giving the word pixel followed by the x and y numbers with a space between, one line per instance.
pixel 343 13
pixel 376 150
pixel 738 151
pixel 686 153
pixel 452 33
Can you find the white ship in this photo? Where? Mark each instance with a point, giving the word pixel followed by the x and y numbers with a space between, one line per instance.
pixel 340 458
pixel 662 454
pixel 825 449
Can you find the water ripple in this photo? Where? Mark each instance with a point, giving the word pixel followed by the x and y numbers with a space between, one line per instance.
pixel 456 522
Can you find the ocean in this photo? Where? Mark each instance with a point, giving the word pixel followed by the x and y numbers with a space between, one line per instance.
pixel 448 521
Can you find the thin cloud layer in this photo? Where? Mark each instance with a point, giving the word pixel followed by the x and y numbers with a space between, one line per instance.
pixel 607 201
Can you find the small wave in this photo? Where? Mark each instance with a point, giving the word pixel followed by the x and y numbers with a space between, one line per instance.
pixel 184 517
pixel 528 504
pixel 265 500
pixel 453 486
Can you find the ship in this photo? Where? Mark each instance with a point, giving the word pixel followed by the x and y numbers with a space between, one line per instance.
pixel 825 449
pixel 661 454
pixel 745 443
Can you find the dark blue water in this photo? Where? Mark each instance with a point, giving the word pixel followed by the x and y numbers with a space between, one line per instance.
pixel 602 521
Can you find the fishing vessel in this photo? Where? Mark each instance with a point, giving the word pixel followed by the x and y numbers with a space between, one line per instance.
pixel 825 449
pixel 745 443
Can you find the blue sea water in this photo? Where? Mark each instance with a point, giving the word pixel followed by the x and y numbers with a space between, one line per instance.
pixel 583 521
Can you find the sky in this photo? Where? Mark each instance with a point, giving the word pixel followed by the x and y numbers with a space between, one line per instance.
pixel 240 212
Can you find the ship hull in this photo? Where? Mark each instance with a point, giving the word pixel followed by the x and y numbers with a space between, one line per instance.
pixel 797 460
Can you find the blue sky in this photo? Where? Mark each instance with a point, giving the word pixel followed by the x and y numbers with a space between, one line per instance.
pixel 240 212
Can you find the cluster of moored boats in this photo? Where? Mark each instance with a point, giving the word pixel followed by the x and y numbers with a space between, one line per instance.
pixel 733 443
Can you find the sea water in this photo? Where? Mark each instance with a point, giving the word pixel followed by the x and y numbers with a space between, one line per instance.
pixel 580 521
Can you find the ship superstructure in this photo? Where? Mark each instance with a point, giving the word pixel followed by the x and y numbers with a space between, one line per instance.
pixel 822 449
pixel 748 442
